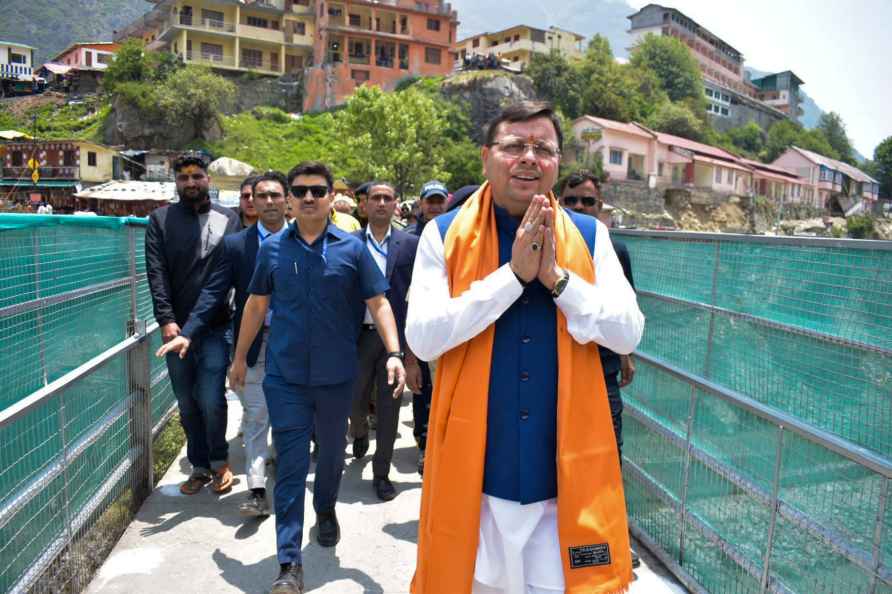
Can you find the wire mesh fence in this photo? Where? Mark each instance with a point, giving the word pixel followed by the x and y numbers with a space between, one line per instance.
pixel 82 397
pixel 758 446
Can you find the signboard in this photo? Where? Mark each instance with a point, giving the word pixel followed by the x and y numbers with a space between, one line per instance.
pixel 591 135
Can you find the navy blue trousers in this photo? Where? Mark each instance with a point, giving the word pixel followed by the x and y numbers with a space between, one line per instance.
pixel 295 411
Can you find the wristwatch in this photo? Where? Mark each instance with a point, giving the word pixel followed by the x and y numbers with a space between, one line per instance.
pixel 560 285
pixel 398 354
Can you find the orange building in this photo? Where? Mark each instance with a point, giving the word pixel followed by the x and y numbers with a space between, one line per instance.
pixel 378 43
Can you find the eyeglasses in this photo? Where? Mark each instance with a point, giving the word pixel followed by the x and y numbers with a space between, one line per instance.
pixel 381 198
pixel 587 201
pixel 516 147
pixel 316 191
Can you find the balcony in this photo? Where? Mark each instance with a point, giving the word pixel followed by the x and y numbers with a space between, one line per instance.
pixel 208 25
pixel 213 60
pixel 514 46
pixel 19 71
pixel 302 10
pixel 24 173
pixel 261 34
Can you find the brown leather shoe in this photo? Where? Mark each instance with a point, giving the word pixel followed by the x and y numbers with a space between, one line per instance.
pixel 222 480
pixel 195 483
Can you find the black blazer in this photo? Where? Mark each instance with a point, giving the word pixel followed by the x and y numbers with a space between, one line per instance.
pixel 400 261
pixel 234 269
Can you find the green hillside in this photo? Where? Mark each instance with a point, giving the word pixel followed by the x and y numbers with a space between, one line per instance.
pixel 52 25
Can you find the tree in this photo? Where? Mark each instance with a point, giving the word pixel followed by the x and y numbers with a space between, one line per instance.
pixel 674 65
pixel 748 138
pixel 556 80
pixel 608 90
pixel 392 136
pixel 834 130
pixel 132 64
pixel 677 119
pixel 785 133
pixel 195 95
pixel 882 156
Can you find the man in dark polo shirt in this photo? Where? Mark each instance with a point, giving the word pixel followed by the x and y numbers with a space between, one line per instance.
pixel 318 280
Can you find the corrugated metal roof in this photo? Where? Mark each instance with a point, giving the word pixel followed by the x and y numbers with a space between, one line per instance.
pixel 850 171
pixel 131 191
pixel 618 126
pixel 693 146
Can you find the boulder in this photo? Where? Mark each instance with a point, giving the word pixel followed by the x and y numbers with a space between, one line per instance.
pixel 226 167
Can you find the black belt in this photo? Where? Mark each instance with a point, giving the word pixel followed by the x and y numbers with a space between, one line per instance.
pixel 369 327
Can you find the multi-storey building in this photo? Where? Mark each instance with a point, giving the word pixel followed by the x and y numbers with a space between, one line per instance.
pixel 16 66
pixel 733 99
pixel 518 44
pixel 97 55
pixel 378 43
pixel 272 37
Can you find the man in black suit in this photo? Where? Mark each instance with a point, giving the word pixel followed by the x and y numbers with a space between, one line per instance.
pixel 394 253
pixel 234 271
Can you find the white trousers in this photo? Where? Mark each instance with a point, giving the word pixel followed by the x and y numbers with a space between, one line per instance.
pixel 519 551
pixel 255 421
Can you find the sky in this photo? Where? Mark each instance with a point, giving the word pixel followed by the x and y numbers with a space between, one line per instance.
pixel 841 49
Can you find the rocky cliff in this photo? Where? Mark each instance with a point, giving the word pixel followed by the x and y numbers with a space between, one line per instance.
pixel 485 92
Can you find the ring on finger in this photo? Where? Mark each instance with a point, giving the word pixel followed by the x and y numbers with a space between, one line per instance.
pixel 534 246
pixel 527 227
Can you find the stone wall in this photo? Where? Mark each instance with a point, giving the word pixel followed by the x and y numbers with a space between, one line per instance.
pixel 634 196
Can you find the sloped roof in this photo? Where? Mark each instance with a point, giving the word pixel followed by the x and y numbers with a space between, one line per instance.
pixel 131 191
pixel 691 145
pixel 852 172
pixel 618 126
pixel 775 169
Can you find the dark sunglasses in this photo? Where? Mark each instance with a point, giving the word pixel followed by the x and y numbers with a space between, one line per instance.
pixel 316 191
pixel 587 201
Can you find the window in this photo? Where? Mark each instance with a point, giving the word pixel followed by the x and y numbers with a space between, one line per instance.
pixel 433 24
pixel 251 58
pixel 91 159
pixel 104 58
pixel 726 98
pixel 274 60
pixel 709 92
pixel 17 58
pixel 476 42
pixel 359 76
pixel 538 36
pixel 404 56
pixel 718 175
pixel 616 157
pixel 17 159
pixel 730 177
pixel 68 159
pixel 517 37
pixel 213 18
pixel 355 20
pixel 300 28
pixel 432 55
pixel 335 12
pixel 212 51
pixel 724 111
pixel 660 169
pixel 258 22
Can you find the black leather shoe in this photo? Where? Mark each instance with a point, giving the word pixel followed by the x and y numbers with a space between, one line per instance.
pixel 360 447
pixel 328 531
pixel 421 462
pixel 290 580
pixel 384 488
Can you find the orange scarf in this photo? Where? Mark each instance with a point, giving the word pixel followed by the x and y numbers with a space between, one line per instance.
pixel 591 505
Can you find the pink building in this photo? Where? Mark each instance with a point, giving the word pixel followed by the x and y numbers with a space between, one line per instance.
pixel 634 152
pixel 96 55
pixel 830 183
pixel 776 183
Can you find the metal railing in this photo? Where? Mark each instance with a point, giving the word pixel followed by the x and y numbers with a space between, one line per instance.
pixel 745 470
pixel 76 461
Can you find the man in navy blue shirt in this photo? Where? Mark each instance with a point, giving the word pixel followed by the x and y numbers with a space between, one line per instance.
pixel 318 281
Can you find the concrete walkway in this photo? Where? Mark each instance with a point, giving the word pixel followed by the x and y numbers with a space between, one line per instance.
pixel 200 544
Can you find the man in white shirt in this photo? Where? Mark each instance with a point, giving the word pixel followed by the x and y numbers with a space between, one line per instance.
pixel 491 519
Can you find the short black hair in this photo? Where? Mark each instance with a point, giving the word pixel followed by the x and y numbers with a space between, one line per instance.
pixel 523 112
pixel 579 177
pixel 311 168
pixel 372 184
pixel 190 158
pixel 248 181
pixel 276 176
pixel 362 190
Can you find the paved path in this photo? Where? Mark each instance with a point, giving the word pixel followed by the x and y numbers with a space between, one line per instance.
pixel 200 544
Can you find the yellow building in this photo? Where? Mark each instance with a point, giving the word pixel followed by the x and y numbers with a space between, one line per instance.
pixel 517 45
pixel 267 37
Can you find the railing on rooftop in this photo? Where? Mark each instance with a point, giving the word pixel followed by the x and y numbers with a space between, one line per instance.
pixel 82 396
pixel 758 429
